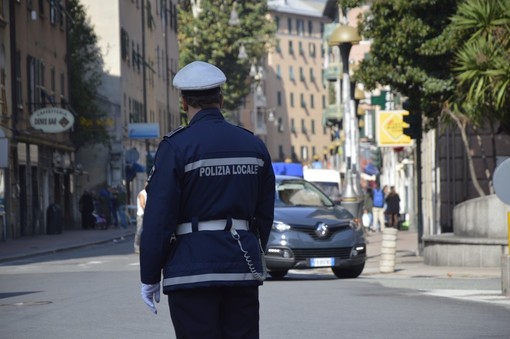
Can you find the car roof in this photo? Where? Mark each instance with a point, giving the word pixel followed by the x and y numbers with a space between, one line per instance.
pixel 280 177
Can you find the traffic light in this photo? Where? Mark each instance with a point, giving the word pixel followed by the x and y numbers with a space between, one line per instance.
pixel 413 121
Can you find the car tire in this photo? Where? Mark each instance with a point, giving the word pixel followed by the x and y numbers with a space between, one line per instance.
pixel 278 274
pixel 348 272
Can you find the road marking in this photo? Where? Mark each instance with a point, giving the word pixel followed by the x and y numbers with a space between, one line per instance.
pixel 491 296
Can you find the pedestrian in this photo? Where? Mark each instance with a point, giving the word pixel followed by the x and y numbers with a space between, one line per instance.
pixel 122 200
pixel 86 207
pixel 378 208
pixel 113 205
pixel 103 209
pixel 213 187
pixel 393 208
pixel 368 205
pixel 141 201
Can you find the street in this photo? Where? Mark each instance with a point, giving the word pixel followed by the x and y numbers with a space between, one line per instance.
pixel 93 292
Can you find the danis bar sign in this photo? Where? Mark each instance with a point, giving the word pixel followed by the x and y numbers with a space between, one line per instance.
pixel 52 120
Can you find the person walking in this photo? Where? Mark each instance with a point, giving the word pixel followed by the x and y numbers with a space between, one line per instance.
pixel 141 201
pixel 209 212
pixel 368 206
pixel 378 208
pixel 393 208
pixel 86 207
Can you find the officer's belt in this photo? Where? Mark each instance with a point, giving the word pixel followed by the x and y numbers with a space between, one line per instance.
pixel 212 225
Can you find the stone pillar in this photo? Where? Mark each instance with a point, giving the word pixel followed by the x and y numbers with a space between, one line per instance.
pixel 505 275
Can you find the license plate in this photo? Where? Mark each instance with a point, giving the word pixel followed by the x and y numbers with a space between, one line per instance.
pixel 322 262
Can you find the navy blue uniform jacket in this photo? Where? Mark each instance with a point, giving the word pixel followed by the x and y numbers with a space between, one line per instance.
pixel 209 170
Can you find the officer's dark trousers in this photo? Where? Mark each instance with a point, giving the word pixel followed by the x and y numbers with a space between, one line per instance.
pixel 215 313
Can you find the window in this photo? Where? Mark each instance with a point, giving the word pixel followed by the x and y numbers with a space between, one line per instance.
pixel 304 153
pixel 35 77
pixel 124 44
pixel 301 49
pixel 301 74
pixel 291 73
pixel 277 22
pixel 303 103
pixel 53 12
pixel 300 27
pixel 280 125
pixel 303 126
pixel 291 99
pixel 150 19
pixel 291 48
pixel 41 8
pixel 278 72
pixel 289 25
pixel 311 49
pixel 62 85
pixel 310 27
pixel 312 104
pixel 19 87
pixel 278 47
pixel 3 95
pixel 279 98
pixel 292 126
pixel 281 154
pixel 312 76
pixel 312 128
pixel 52 76
pixel 61 14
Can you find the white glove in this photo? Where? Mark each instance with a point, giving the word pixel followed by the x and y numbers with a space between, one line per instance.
pixel 149 294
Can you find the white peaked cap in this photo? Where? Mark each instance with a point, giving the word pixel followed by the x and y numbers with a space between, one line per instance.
pixel 197 76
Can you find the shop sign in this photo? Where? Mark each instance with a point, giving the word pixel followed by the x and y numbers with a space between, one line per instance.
pixel 52 120
pixel 390 129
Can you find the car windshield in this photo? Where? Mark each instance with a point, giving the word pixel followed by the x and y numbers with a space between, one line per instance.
pixel 295 192
pixel 330 188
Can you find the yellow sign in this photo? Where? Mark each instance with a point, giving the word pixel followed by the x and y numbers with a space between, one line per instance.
pixel 390 129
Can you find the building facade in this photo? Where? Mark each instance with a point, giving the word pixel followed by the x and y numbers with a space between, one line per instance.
pixel 138 41
pixel 35 119
pixel 296 94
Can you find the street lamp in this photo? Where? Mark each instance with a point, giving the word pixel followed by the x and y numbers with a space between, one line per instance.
pixel 344 37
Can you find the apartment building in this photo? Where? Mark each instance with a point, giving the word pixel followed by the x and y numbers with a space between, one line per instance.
pixel 296 93
pixel 138 40
pixel 36 121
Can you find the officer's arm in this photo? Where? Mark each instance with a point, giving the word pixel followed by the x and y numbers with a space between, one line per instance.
pixel 161 211
pixel 264 213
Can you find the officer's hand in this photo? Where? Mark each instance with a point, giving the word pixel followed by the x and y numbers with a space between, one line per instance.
pixel 149 294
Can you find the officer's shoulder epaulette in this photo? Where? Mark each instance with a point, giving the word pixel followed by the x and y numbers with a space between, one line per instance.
pixel 175 131
pixel 247 130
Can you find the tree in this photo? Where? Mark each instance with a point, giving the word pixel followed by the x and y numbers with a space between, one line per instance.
pixel 482 71
pixel 205 34
pixel 407 53
pixel 85 71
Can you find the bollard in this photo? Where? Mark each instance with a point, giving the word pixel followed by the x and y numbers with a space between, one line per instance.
pixel 388 250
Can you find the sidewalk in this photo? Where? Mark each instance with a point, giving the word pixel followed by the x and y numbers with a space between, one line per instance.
pixel 407 263
pixel 40 244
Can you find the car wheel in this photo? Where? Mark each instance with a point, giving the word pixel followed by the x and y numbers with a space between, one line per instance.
pixel 278 274
pixel 348 272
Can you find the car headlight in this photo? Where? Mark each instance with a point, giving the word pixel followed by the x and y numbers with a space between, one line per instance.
pixel 280 226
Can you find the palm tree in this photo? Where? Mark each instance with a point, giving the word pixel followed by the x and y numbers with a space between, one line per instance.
pixel 482 71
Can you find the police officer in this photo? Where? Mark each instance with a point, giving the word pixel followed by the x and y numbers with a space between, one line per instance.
pixel 210 205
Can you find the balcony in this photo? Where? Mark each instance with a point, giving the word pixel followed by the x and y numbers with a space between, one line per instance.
pixel 332 115
pixel 332 73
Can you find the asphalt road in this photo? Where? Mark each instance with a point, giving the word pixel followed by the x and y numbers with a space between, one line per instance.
pixel 93 292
